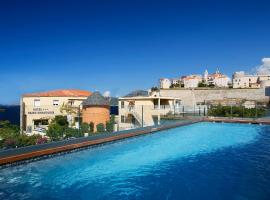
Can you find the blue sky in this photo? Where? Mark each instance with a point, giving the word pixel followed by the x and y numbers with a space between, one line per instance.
pixel 124 45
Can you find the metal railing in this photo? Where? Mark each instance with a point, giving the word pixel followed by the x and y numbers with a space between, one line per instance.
pixel 149 115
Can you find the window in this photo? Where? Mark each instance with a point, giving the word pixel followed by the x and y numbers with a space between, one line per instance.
pixel 122 104
pixel 71 102
pixel 56 102
pixel 122 119
pixel 36 102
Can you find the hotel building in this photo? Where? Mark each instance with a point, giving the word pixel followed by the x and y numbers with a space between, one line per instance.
pixel 38 109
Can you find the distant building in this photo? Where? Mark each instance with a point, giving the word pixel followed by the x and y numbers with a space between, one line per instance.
pixel 263 77
pixel 242 80
pixel 165 83
pixel 191 81
pixel 38 109
pixel 176 81
pixel 216 79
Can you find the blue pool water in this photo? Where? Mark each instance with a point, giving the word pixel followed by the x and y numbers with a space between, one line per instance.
pixel 199 161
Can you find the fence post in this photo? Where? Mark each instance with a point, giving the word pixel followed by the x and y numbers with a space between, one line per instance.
pixel 79 121
pixel 174 110
pixel 142 116
pixel 183 111
pixel 231 110
pixel 256 116
pixel 243 110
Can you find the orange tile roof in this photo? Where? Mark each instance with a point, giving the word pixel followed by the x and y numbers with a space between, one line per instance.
pixel 217 75
pixel 60 93
pixel 191 78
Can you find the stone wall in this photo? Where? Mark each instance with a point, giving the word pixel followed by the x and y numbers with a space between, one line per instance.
pixel 191 97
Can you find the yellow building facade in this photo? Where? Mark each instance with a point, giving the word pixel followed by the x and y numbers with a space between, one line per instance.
pixel 38 109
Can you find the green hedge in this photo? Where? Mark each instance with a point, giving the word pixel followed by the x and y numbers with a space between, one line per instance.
pixel 236 111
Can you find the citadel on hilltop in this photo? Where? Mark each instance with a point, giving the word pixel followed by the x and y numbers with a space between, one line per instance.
pixel 217 80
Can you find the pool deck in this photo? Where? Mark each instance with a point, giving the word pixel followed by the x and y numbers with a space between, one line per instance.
pixel 31 152
pixel 19 155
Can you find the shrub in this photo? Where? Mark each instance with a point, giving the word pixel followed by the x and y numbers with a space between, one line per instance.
pixel 8 130
pixel 110 124
pixel 236 111
pixel 109 127
pixel 85 128
pixel 91 127
pixel 100 128
pixel 57 127
pixel 41 140
pixel 9 143
pixel 55 131
pixel 72 132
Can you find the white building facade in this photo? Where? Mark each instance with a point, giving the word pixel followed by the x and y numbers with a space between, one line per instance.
pixel 216 79
pixel 165 83
pixel 192 81
pixel 242 80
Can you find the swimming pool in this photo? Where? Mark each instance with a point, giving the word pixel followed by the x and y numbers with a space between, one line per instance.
pixel 199 161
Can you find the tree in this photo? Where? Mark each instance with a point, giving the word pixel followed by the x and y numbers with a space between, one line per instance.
pixel 175 85
pixel 202 84
pixel 154 89
pixel 61 120
pixel 69 110
pixel 57 127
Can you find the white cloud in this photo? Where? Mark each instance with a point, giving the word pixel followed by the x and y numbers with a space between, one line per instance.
pixel 265 67
pixel 107 94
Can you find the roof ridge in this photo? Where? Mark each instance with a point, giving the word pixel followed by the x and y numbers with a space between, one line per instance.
pixel 60 93
pixel 96 99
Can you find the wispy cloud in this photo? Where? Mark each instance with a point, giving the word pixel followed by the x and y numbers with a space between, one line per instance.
pixel 107 94
pixel 265 67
